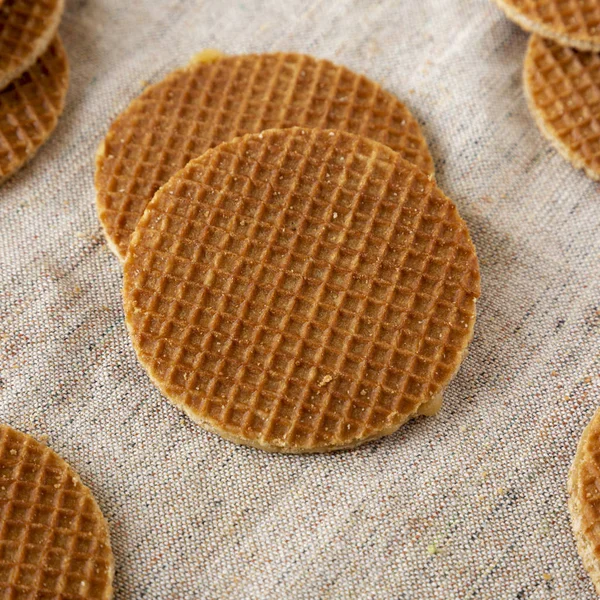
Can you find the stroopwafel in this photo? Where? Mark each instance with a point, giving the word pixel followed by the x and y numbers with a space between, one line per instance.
pixel 562 87
pixel 30 107
pixel 207 103
pixel 572 23
pixel 54 541
pixel 301 290
pixel 26 29
pixel 584 498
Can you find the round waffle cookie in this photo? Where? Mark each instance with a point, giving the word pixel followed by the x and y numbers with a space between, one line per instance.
pixel 210 102
pixel 572 23
pixel 26 29
pixel 584 498
pixel 53 538
pixel 562 87
pixel 301 290
pixel 30 107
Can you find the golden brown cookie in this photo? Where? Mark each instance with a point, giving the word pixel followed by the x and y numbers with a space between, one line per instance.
pixel 54 540
pixel 30 108
pixel 563 93
pixel 572 23
pixel 207 103
pixel 26 29
pixel 584 498
pixel 301 290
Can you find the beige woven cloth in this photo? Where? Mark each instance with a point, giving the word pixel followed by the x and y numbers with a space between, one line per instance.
pixel 469 504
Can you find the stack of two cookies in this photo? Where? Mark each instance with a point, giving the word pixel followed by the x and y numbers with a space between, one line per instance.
pixel 293 277
pixel 562 74
pixel 34 78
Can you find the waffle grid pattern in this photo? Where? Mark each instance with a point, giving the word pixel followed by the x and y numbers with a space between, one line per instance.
pixel 303 289
pixel 584 502
pixel 590 496
pixel 30 107
pixel 199 107
pixel 564 89
pixel 569 22
pixel 26 27
pixel 53 538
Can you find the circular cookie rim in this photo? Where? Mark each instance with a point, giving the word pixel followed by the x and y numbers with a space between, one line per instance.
pixel 40 45
pixel 563 149
pixel 59 111
pixel 209 56
pixel 426 408
pixel 585 44
pixel 86 490
pixel 420 411
pixel 585 547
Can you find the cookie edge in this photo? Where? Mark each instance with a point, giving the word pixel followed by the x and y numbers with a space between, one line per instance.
pixel 59 113
pixel 572 157
pixel 419 410
pixel 75 474
pixel 41 44
pixel 584 546
pixel 194 62
pixel 532 26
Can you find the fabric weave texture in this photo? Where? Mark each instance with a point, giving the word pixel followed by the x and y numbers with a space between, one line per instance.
pixel 469 504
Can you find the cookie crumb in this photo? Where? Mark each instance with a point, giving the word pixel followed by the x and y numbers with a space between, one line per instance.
pixel 326 379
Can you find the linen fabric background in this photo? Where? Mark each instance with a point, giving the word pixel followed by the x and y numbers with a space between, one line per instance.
pixel 468 504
